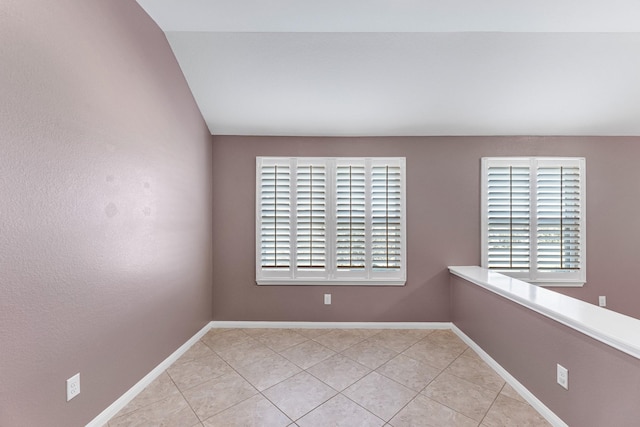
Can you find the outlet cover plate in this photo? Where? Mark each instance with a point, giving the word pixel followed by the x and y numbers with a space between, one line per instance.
pixel 562 376
pixel 327 299
pixel 73 386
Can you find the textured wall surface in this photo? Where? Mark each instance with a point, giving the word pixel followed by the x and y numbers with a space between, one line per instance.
pixel 443 224
pixel 105 207
pixel 604 383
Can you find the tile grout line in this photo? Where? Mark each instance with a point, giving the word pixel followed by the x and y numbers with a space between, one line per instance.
pixel 338 393
pixel 347 397
pixel 434 378
pixel 183 396
pixel 261 393
pixel 238 373
pixel 492 403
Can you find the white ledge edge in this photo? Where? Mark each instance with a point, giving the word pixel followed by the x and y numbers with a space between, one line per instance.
pixel 330 282
pixel 609 327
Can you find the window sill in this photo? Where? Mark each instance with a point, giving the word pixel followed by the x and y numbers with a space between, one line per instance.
pixel 549 282
pixel 334 282
pixel 557 284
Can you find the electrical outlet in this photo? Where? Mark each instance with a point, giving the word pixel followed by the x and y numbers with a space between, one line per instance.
pixel 73 386
pixel 602 301
pixel 562 376
pixel 327 299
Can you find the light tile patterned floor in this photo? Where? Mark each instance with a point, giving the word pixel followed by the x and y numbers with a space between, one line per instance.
pixel 324 377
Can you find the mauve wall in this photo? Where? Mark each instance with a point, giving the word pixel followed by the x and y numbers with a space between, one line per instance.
pixel 105 207
pixel 604 383
pixel 443 224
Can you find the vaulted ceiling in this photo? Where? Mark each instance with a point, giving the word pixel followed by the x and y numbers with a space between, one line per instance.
pixel 409 67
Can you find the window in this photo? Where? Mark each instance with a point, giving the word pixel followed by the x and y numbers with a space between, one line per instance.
pixel 533 218
pixel 330 221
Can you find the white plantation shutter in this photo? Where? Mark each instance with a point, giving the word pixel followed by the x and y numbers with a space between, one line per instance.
pixel 275 216
pixel 330 221
pixel 311 196
pixel 533 218
pixel 350 217
pixel 559 218
pixel 508 217
pixel 386 233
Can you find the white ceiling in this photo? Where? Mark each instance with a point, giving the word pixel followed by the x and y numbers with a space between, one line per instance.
pixel 409 67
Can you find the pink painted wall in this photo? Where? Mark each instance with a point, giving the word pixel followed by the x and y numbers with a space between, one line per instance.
pixel 443 220
pixel 105 207
pixel 604 383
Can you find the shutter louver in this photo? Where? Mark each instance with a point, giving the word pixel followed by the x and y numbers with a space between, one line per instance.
pixel 559 218
pixel 311 216
pixel 350 217
pixel 386 217
pixel 275 216
pixel 508 213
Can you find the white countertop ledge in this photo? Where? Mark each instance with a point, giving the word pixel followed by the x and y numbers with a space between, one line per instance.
pixel 614 329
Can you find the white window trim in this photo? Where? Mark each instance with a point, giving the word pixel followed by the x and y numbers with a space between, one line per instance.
pixel 331 275
pixel 533 276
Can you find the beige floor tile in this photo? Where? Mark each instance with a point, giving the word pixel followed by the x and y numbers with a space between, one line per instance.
pixel 268 371
pixel 471 353
pixel 467 398
pixel 477 372
pixel 367 332
pixel 216 331
pixel 307 354
pixel 245 353
pixel 171 412
pixel 190 373
pixel 338 371
pixel 455 384
pixel 340 412
pixel 340 339
pixel 253 412
pixel 161 388
pixel 380 395
pixel 209 336
pixel 299 394
pixel 223 340
pixel 399 340
pixel 255 332
pixel 409 372
pixel 281 339
pixel 424 412
pixel 509 391
pixel 197 351
pixel 216 395
pixel 368 354
pixel 433 354
pixel 446 337
pixel 508 412
pixel 312 333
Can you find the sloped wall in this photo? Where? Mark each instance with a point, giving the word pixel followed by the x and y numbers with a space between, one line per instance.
pixel 105 207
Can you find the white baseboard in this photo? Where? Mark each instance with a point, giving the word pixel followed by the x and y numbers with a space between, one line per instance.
pixel 553 419
pixel 332 325
pixel 123 400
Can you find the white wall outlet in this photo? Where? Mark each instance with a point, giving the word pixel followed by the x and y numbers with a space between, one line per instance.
pixel 73 386
pixel 327 299
pixel 602 301
pixel 562 376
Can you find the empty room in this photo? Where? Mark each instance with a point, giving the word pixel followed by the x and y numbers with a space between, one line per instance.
pixel 319 213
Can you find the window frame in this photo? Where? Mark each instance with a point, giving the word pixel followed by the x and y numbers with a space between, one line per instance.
pixel 330 274
pixel 534 275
